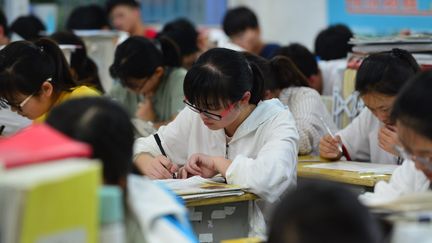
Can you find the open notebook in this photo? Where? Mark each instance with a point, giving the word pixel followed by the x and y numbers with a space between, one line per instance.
pixel 197 187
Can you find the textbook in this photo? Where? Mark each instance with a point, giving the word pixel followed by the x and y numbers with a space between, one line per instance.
pixel 50 202
pixel 197 187
pixel 39 143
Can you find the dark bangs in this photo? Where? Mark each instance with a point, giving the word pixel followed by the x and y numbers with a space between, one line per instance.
pixel 207 88
pixel 10 87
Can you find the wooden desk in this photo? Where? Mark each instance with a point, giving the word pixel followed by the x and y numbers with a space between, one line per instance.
pixel 217 219
pixel 221 200
pixel 243 240
pixel 347 177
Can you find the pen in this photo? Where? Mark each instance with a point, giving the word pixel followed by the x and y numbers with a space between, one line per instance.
pixel 159 143
pixel 2 127
pixel 341 148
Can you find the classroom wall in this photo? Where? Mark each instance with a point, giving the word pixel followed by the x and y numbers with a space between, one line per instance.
pixel 297 20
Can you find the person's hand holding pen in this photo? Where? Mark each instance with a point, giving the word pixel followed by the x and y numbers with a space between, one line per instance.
pixel 159 167
pixel 330 147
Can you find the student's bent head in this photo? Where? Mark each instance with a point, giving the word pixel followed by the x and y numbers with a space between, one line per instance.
pixel 332 43
pixel 89 17
pixel 105 126
pixel 32 76
pixel 220 84
pixel 322 212
pixel 83 68
pixel 139 62
pixel 380 78
pixel 306 62
pixel 413 114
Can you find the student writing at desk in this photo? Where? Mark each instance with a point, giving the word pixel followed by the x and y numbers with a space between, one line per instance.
pixel 412 112
pixel 35 77
pixel 227 129
pixel 284 80
pixel 372 135
pixel 152 69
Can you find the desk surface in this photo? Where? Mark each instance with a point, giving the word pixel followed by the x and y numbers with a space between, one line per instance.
pixel 247 196
pixel 348 177
pixel 243 240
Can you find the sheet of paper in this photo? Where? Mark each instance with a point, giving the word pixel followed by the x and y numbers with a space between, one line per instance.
pixel 361 167
pixel 197 184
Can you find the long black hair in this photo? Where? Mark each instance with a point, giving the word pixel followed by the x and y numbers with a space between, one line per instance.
pixel 220 77
pixel 25 66
pixel 413 104
pixel 279 72
pixel 385 72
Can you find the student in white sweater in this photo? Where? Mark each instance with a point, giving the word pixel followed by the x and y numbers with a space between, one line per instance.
pixel 412 112
pixel 227 129
pixel 372 135
pixel 284 80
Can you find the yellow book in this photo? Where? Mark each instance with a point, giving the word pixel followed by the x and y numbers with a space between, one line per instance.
pixel 52 202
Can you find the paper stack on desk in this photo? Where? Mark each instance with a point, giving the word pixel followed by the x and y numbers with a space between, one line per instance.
pixel 199 188
pixel 360 167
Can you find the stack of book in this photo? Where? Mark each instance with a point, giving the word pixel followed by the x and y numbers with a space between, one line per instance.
pixel 48 188
pixel 199 188
pixel 419 45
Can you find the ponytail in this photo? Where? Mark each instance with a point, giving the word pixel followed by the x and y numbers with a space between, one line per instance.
pixel 257 92
pixel 286 73
pixel 170 51
pixel 61 77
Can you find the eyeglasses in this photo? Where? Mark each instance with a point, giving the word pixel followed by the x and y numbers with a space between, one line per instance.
pixel 20 105
pixel 425 161
pixel 209 114
pixel 25 101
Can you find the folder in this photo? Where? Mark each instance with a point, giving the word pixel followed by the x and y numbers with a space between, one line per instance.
pixel 39 143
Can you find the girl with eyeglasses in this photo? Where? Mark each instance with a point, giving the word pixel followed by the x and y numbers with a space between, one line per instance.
pixel 151 79
pixel 372 135
pixel 412 112
pixel 226 129
pixel 35 77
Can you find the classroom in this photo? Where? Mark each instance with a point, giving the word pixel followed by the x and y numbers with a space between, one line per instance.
pixel 215 121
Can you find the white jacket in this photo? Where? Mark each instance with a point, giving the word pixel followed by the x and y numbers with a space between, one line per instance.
pixel 263 150
pixel 361 139
pixel 405 179
pixel 155 214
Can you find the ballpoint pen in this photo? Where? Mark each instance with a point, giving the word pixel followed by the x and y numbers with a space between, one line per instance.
pixel 159 143
pixel 341 147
